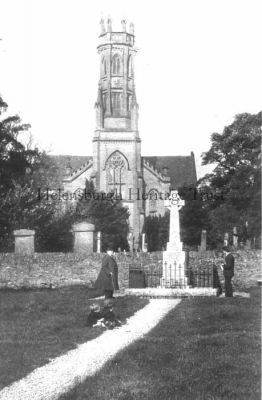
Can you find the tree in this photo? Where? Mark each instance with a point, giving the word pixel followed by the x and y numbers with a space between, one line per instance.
pixel 193 216
pixel 23 170
pixel 25 174
pixel 14 157
pixel 156 228
pixel 237 156
pixel 107 214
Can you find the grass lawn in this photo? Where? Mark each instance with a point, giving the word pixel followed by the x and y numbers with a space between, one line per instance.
pixel 41 324
pixel 205 349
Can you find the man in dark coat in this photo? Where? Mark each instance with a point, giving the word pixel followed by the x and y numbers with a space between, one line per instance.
pixel 228 271
pixel 107 280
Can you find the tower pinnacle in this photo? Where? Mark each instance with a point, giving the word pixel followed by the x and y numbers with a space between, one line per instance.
pixel 102 26
pixel 109 25
pixel 123 22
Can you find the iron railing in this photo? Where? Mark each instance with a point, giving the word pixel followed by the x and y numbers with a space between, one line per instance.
pixel 170 275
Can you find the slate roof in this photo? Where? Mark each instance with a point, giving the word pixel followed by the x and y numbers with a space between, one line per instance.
pixel 62 161
pixel 181 169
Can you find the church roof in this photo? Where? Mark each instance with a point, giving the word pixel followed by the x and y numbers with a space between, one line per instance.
pixel 181 169
pixel 62 161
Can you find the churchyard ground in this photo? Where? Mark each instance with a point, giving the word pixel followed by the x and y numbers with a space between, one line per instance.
pixel 39 325
pixel 204 349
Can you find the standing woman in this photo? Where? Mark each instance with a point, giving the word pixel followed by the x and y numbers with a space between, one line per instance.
pixel 107 280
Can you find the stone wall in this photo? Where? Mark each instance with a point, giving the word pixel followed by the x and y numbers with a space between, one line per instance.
pixel 48 269
pixel 62 269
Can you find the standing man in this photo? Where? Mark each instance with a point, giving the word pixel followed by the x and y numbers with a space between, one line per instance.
pixel 107 280
pixel 228 271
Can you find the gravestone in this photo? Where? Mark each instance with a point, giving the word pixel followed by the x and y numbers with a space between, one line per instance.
pixel 131 242
pixel 98 242
pixel 248 245
pixel 235 237
pixel 83 237
pixel 24 241
pixel 226 239
pixel 144 244
pixel 174 257
pixel 203 245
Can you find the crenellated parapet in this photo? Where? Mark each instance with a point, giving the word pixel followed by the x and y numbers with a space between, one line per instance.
pixel 123 36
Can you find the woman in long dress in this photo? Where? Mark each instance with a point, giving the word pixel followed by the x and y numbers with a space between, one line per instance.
pixel 107 280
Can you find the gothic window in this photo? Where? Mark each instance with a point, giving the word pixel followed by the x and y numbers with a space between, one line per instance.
pixel 103 66
pixel 130 66
pixel 116 103
pixel 116 170
pixel 116 65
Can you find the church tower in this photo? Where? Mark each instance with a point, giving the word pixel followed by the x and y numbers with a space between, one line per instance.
pixel 116 142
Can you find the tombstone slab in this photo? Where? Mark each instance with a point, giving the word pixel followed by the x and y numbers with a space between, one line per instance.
pixel 24 241
pixel 131 242
pixel 83 237
pixel 226 239
pixel 235 237
pixel 203 245
pixel 98 242
pixel 144 243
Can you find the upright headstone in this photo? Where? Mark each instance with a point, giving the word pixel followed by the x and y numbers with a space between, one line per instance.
pixel 131 242
pixel 203 245
pixel 135 245
pixel 98 242
pixel 144 244
pixel 248 245
pixel 174 257
pixel 24 241
pixel 83 237
pixel 235 237
pixel 226 236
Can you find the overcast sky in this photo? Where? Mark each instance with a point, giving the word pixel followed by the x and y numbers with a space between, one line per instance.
pixel 198 64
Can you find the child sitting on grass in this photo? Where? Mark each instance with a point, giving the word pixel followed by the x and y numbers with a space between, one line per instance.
pixel 104 317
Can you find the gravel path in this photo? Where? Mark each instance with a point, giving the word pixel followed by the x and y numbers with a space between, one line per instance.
pixel 63 373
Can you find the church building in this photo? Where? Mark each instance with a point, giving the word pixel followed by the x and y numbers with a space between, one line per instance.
pixel 116 164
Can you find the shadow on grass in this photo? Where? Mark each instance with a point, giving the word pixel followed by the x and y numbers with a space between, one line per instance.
pixel 39 325
pixel 206 348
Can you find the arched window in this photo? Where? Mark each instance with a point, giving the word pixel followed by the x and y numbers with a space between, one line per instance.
pixel 130 66
pixel 116 171
pixel 116 64
pixel 103 66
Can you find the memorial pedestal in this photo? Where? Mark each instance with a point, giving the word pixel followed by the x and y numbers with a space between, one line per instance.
pixel 173 274
pixel 174 268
